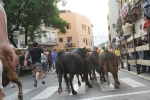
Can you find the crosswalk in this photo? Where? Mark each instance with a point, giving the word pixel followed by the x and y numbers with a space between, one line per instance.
pixel 51 90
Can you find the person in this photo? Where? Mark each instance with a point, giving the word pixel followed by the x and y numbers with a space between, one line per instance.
pixel 54 55
pixel 146 23
pixel 97 50
pixel 117 53
pixel 44 61
pixel 6 50
pixel 127 31
pixel 118 40
pixel 35 53
pixel 50 60
pixel 102 50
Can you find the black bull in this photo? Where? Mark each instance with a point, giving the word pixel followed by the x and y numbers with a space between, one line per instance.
pixel 72 63
pixel 94 65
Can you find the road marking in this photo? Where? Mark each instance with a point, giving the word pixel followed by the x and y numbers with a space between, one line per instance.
pixel 15 95
pixel 79 90
pixel 46 93
pixel 132 83
pixel 118 95
pixel 105 87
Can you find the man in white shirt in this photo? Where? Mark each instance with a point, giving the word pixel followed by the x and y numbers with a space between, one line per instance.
pixel 127 30
pixel 118 39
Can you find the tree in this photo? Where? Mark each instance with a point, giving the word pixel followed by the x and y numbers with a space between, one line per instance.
pixel 27 16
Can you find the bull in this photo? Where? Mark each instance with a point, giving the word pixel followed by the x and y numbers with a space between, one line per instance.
pixel 9 74
pixel 109 63
pixel 72 63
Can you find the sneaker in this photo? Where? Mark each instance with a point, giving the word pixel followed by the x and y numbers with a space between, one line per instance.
pixel 43 82
pixel 13 85
pixel 35 83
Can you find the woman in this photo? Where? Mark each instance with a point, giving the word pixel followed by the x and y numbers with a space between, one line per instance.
pixel 117 52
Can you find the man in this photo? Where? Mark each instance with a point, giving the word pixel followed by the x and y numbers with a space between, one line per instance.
pixel 97 50
pixel 35 53
pixel 54 55
pixel 5 48
pixel 127 31
pixel 118 40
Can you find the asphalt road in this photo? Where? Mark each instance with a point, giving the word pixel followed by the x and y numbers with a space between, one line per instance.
pixel 132 87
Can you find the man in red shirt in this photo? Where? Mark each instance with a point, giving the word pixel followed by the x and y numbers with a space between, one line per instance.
pixel 146 23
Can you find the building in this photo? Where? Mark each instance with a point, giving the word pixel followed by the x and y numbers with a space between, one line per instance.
pixel 79 31
pixel 130 10
pixel 112 19
pixel 49 41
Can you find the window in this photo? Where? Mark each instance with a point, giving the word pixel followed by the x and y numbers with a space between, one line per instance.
pixel 86 42
pixel 89 30
pixel 82 26
pixel 83 40
pixel 69 26
pixel 60 39
pixel 69 39
pixel 85 27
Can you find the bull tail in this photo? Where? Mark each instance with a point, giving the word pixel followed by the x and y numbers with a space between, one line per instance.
pixel 59 64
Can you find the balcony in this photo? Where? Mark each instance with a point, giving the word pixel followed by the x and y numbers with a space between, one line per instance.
pixel 53 40
pixel 119 22
pixel 68 45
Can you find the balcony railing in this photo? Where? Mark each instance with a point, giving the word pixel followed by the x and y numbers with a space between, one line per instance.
pixel 69 45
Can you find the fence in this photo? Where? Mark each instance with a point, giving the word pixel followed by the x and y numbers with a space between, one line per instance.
pixel 136 49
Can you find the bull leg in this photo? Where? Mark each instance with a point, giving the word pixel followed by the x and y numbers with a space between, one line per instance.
pixel 108 83
pixel 67 83
pixel 115 80
pixel 71 76
pixel 12 76
pixel 90 75
pixel 60 81
pixel 103 76
pixel 86 79
pixel 79 83
pixel 94 75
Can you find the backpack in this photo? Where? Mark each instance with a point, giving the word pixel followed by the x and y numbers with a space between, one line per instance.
pixel 146 7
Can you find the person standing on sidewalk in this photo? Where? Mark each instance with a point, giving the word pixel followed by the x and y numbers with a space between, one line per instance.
pixel 50 60
pixel 35 53
pixel 54 55
pixel 6 50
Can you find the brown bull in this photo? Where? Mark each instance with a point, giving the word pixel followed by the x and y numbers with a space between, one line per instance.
pixel 109 63
pixel 9 74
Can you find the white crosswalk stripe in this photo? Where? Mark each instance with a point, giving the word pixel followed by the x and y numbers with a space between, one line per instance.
pixel 49 91
pixel 132 82
pixel 15 95
pixel 46 93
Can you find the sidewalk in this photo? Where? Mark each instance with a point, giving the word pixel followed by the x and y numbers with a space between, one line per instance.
pixel 133 71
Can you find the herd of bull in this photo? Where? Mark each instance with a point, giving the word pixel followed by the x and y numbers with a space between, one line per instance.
pixel 81 62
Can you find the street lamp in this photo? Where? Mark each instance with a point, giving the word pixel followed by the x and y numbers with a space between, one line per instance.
pixel 78 36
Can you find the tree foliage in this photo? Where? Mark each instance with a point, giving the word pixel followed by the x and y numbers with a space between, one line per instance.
pixel 27 16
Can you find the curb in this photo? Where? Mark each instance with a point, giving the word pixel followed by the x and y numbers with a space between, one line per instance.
pixel 134 73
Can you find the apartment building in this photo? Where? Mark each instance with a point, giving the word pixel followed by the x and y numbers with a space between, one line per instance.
pixel 112 19
pixel 79 31
pixel 130 10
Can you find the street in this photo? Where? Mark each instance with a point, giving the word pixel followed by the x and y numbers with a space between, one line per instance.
pixel 132 87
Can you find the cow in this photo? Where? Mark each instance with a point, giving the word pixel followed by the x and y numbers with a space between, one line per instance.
pixel 109 63
pixel 94 65
pixel 9 74
pixel 72 63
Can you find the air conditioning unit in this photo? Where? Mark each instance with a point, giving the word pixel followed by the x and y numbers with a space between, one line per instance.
pixel 114 25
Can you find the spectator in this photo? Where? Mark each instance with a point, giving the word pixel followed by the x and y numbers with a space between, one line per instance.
pixel 117 52
pixel 127 30
pixel 146 23
pixel 97 50
pixel 54 55
pixel 118 40
pixel 50 60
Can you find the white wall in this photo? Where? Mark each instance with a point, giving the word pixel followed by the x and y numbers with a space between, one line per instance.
pixel 113 13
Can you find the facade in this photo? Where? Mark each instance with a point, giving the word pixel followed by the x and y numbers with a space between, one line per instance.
pixel 50 41
pixel 112 19
pixel 79 31
pixel 133 14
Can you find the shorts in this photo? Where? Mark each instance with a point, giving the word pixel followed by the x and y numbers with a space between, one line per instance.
pixel 45 65
pixel 1 70
pixel 37 66
pixel 126 37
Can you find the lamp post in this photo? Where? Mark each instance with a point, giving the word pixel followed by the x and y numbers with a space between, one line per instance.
pixel 78 36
